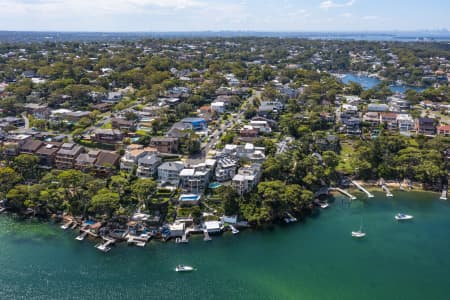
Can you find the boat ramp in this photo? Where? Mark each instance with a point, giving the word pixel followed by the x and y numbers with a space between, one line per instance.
pixel 206 237
pixel 343 192
pixel 386 189
pixel 363 189
pixel 444 193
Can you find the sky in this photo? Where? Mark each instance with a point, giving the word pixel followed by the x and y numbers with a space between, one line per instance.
pixel 216 15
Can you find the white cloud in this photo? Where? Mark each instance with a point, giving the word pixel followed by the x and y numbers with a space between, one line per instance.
pixel 331 4
pixel 94 7
pixel 370 18
pixel 346 15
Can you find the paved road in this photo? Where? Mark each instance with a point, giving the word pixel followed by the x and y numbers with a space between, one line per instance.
pixel 217 133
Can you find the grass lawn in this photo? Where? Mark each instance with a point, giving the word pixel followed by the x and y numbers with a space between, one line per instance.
pixel 345 158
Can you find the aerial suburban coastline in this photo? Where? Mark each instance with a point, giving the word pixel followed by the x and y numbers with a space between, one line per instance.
pixel 163 138
pixel 222 158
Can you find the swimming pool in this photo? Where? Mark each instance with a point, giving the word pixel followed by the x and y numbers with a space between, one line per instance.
pixel 214 185
pixel 192 197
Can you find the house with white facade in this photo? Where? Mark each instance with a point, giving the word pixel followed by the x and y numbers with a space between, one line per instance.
pixel 406 124
pixel 226 169
pixel 148 165
pixel 246 179
pixel 247 151
pixel 195 179
pixel 169 172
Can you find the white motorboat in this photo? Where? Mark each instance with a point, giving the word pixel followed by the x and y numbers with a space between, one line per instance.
pixel 81 236
pixel 324 205
pixel 102 248
pixel 64 227
pixel 234 230
pixel 360 233
pixel 183 268
pixel 401 217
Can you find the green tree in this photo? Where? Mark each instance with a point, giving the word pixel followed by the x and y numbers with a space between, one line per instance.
pixel 105 202
pixel 144 189
pixel 27 165
pixel 8 178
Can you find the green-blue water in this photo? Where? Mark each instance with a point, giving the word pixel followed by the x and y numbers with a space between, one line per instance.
pixel 315 260
pixel 369 82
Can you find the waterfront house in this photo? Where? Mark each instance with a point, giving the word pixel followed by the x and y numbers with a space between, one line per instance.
pixel 47 154
pixel 426 126
pixel 85 161
pixel 226 169
pixel 30 146
pixel 213 226
pixel 165 144
pixel 246 179
pixel 106 162
pixel 176 229
pixel 169 172
pixel 194 180
pixel 148 165
pixel 66 155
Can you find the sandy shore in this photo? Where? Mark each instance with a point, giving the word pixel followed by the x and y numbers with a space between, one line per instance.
pixel 373 185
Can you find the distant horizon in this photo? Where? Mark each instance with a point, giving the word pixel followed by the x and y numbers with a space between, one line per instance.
pixel 223 15
pixel 442 30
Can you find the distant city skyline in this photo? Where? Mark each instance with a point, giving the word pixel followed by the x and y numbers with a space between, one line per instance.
pixel 223 15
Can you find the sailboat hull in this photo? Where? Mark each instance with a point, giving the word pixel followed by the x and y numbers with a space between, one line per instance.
pixel 358 234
